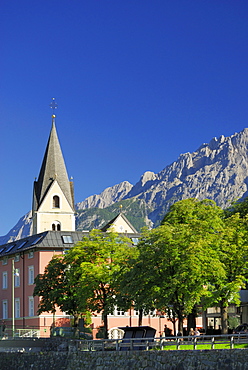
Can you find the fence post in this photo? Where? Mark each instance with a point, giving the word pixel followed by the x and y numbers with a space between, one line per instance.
pixel 89 346
pixel 161 343
pixel 117 345
pixel 147 345
pixel 231 342
pixel 212 343
pixel 195 342
pixel 178 343
pixel 131 345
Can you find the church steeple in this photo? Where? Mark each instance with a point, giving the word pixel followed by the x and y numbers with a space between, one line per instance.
pixel 53 198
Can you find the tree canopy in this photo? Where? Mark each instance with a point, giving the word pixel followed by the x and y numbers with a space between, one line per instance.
pixel 56 287
pixel 197 256
pixel 99 260
pixel 87 277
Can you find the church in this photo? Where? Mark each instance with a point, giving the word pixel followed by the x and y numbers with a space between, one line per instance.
pixel 53 232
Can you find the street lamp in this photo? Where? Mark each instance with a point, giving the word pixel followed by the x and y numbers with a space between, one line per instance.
pixel 14 273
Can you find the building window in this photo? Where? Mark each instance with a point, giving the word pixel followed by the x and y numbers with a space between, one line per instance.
pixel 30 275
pixel 135 241
pixel 5 280
pixel 17 277
pixel 5 261
pixel 5 309
pixel 118 312
pixel 56 226
pixel 17 257
pixel 67 239
pixel 31 254
pixel 30 306
pixel 17 308
pixel 56 201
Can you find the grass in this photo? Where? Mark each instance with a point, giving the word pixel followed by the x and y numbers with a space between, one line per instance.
pixel 172 347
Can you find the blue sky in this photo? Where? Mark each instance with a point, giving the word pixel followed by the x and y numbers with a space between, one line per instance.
pixel 137 83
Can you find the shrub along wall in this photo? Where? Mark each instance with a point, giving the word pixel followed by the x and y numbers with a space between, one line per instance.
pixel 235 359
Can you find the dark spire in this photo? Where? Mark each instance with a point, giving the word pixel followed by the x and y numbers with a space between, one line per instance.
pixel 52 168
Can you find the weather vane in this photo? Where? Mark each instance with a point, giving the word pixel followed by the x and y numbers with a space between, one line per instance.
pixel 53 105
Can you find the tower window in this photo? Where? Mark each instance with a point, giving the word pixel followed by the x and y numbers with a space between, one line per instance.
pixel 56 201
pixel 56 226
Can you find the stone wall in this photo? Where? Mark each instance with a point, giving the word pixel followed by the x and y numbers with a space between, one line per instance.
pixel 236 359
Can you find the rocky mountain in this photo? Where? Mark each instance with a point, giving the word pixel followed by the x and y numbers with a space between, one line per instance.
pixel 217 170
pixel 107 197
pixel 20 230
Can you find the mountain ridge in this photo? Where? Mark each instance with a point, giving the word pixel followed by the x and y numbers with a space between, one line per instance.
pixel 216 170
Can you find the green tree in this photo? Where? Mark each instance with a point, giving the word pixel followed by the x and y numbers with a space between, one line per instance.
pixel 233 254
pixel 48 285
pixel 136 288
pixel 98 260
pixel 205 222
pixel 58 287
pixel 239 206
pixel 182 264
pixel 178 260
pixel 224 240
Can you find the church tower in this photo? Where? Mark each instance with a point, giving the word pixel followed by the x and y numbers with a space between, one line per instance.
pixel 53 195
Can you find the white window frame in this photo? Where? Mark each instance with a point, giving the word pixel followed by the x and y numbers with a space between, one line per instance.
pixel 118 312
pixel 30 275
pixel 30 306
pixel 17 277
pixel 31 254
pixel 5 261
pixel 5 280
pixel 17 257
pixel 17 308
pixel 60 199
pixel 5 308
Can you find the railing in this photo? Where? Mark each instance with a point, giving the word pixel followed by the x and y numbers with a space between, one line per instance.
pixel 132 344
pixel 125 344
pixel 27 333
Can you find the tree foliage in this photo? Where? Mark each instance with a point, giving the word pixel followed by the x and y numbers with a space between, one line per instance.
pixel 233 254
pixel 87 278
pixel 195 257
pixel 56 287
pixel 198 255
pixel 99 260
pixel 240 206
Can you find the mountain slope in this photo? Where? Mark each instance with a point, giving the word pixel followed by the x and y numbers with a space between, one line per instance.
pixel 217 170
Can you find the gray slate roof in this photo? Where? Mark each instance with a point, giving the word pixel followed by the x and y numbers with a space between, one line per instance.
pixel 46 240
pixel 49 240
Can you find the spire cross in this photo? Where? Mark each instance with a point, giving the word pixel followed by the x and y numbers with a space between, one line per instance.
pixel 53 105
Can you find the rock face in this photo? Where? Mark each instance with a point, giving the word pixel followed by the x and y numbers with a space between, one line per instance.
pixel 107 197
pixel 20 230
pixel 217 170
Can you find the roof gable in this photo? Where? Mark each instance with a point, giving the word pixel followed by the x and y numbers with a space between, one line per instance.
pixel 55 188
pixel 120 224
